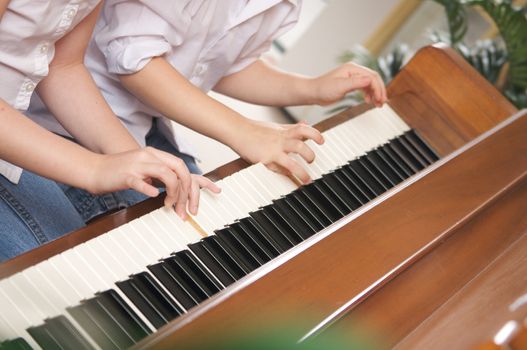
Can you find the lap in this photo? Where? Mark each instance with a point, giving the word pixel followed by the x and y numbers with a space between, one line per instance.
pixel 33 212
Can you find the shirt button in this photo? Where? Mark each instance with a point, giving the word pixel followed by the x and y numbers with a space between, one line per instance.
pixel 71 13
pixel 30 86
pixel 44 48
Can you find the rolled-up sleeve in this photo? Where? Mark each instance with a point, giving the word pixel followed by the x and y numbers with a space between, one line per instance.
pixel 130 34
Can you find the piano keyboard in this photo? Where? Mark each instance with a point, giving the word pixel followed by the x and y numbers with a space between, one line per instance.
pixel 114 290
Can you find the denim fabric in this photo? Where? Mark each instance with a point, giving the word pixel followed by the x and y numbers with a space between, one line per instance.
pixel 33 212
pixel 91 206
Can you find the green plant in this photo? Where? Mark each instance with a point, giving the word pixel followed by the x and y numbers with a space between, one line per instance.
pixel 502 61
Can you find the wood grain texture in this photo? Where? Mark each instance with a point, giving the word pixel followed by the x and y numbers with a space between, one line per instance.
pixel 478 311
pixel 464 101
pixel 384 241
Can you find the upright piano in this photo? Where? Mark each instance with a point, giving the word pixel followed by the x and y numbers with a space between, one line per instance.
pixel 413 235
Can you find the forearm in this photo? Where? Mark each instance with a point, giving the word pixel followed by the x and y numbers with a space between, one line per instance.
pixel 72 97
pixel 176 98
pixel 263 84
pixel 31 147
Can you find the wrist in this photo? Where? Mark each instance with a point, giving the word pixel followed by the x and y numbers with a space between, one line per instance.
pixel 306 89
pixel 91 174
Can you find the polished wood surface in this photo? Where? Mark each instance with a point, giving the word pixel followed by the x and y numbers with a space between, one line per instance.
pixel 388 269
pixel 362 255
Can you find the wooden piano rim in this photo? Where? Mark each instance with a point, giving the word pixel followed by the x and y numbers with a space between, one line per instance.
pixel 230 291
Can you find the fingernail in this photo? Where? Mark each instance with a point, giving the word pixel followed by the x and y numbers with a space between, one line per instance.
pixel 194 210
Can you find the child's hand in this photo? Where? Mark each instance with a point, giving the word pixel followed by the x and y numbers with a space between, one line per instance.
pixel 333 86
pixel 139 169
pixel 270 144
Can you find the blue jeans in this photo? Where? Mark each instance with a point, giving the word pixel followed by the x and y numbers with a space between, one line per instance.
pixel 91 206
pixel 33 212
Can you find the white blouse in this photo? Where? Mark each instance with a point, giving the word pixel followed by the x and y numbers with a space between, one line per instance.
pixel 28 32
pixel 204 40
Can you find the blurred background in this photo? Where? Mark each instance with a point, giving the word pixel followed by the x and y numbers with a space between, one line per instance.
pixel 384 34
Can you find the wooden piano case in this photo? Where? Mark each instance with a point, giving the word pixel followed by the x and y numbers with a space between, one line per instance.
pixel 433 263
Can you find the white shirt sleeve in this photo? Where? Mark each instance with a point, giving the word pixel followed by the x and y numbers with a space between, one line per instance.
pixel 130 34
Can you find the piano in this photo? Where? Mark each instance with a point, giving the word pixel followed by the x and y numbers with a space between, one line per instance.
pixel 413 235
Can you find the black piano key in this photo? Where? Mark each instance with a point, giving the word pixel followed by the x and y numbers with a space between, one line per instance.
pixel 44 338
pixel 220 271
pixel 123 314
pixel 418 142
pixel 393 163
pixel 150 299
pixel 355 169
pixel 253 256
pixel 15 344
pixel 185 278
pixel 110 322
pixel 286 227
pixel 59 333
pixel 413 151
pixel 257 233
pixel 300 210
pixel 302 226
pixel 236 254
pixel 299 198
pixel 254 241
pixel 342 190
pixel 104 337
pixel 187 260
pixel 355 185
pixel 401 162
pixel 322 202
pixel 272 230
pixel 332 196
pixel 408 158
pixel 375 173
pixel 178 284
pixel 386 168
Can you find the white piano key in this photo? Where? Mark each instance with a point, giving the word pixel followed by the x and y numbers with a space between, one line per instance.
pixel 321 157
pixel 346 144
pixel 155 237
pixel 181 230
pixel 208 211
pixel 35 289
pixel 17 320
pixel 251 189
pixel 279 183
pixel 168 234
pixel 245 201
pixel 26 306
pixel 7 332
pixel 101 249
pixel 395 120
pixel 135 237
pixel 218 202
pixel 105 271
pixel 265 190
pixel 41 305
